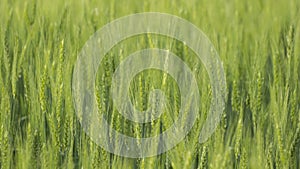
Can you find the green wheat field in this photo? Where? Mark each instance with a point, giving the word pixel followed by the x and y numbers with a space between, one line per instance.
pixel 258 42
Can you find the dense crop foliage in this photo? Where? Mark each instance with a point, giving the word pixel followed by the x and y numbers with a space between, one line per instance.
pixel 258 42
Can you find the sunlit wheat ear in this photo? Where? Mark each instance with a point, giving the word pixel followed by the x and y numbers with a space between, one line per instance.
pixel 290 39
pixel 203 158
pixel 239 135
pixel 54 136
pixel 96 158
pixel 29 146
pixel 276 107
pixel 256 103
pixel 59 79
pixel 5 147
pixel 235 100
pixel 101 156
pixel 260 81
pixel 70 163
pixel 4 128
pixel 276 69
pixel 293 147
pixel 293 109
pixel 139 99
pixel 14 66
pixel 44 156
pixel 26 84
pixel 34 149
pixel 6 54
pixel 244 160
pixel 104 158
pixel 269 159
pixel 66 135
pixel 43 83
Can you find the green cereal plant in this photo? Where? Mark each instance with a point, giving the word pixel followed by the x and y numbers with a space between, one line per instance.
pixel 258 43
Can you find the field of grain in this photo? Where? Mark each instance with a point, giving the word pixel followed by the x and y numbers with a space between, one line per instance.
pixel 258 42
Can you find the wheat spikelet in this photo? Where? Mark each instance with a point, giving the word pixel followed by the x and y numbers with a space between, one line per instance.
pixel 66 137
pixel 280 158
pixel 244 160
pixel 29 145
pixel 260 81
pixel 56 116
pixel 5 118
pixel 70 162
pixel 26 85
pixel 5 148
pixel 278 163
pixel 42 96
pixel 59 84
pixel 239 132
pixel 276 69
pixel 235 97
pixel 104 159
pixel 293 108
pixel 203 158
pixel 96 158
pixel 290 39
pixel 14 66
pixel 55 137
pixel 294 144
pixel 6 54
pixel 45 157
pixel 269 160
pixel 36 150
